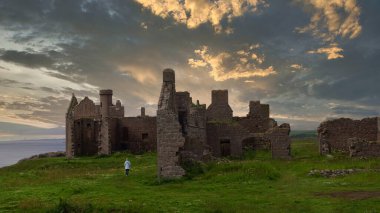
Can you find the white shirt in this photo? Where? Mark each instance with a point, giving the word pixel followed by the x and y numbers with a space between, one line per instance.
pixel 127 164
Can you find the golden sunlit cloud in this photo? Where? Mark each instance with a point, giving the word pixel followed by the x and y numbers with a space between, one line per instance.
pixel 296 66
pixel 140 74
pixel 196 12
pixel 333 18
pixel 197 63
pixel 224 66
pixel 332 52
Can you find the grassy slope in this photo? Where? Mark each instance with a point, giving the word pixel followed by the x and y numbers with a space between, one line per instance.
pixel 256 184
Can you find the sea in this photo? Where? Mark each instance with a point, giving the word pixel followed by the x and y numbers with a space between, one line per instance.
pixel 13 151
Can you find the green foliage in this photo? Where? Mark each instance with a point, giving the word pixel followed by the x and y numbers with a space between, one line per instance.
pixel 254 183
pixel 65 207
pixel 192 168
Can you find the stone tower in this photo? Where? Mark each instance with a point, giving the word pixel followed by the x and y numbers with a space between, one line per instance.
pixel 169 135
pixel 105 102
pixel 219 109
pixel 70 127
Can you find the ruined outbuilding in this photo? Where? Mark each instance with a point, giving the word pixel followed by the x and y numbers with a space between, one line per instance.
pixel 356 137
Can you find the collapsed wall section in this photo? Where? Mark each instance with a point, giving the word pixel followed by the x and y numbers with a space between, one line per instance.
pixel 333 135
pixel 363 148
pixel 257 120
pixel 280 141
pixel 169 131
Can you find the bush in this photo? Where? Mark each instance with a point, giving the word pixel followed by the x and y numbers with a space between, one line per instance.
pixel 192 168
pixel 65 207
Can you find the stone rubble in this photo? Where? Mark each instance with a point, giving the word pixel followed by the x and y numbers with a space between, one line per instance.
pixel 330 173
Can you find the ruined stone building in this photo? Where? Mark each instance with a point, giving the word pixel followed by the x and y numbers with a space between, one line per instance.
pixel 100 129
pixel 188 131
pixel 182 131
pixel 355 137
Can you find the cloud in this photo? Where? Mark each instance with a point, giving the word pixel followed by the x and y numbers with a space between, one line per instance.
pixel 332 52
pixel 193 13
pixel 333 18
pixel 140 74
pixel 105 44
pixel 224 65
pixel 29 59
pixel 296 66
pixel 194 63
pixel 354 111
pixel 330 21
pixel 13 131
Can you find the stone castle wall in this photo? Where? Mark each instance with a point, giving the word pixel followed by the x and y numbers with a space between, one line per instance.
pixel 86 109
pixel 226 137
pixel 280 141
pixel 196 147
pixel 363 148
pixel 170 140
pixel 86 136
pixel 333 135
pixel 138 134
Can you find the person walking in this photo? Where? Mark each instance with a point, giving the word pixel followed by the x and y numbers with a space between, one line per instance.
pixel 127 166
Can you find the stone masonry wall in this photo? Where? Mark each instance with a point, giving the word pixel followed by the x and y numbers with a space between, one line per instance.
pixel 333 135
pixel 139 134
pixel 105 138
pixel 280 141
pixel 254 125
pixel 217 133
pixel 170 140
pixel 86 109
pixel 363 148
pixel 85 136
pixel 70 127
pixel 257 120
pixel 196 147
pixel 69 137
pixel 219 108
pixel 169 143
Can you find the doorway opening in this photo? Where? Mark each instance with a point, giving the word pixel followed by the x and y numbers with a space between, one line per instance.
pixel 225 147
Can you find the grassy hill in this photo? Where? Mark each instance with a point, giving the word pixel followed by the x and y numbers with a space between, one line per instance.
pixel 253 184
pixel 303 134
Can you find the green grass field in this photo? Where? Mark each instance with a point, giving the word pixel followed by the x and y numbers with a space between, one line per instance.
pixel 255 183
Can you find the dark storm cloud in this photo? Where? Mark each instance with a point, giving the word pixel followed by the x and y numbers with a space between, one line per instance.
pixel 358 112
pixel 26 58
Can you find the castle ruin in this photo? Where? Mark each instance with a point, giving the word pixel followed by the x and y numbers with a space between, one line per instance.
pixel 182 131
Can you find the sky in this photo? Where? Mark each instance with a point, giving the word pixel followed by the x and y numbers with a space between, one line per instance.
pixel 311 60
